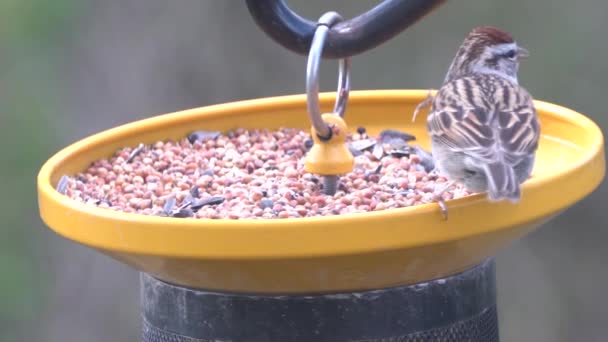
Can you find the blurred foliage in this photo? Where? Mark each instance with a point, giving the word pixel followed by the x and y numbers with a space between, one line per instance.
pixel 29 101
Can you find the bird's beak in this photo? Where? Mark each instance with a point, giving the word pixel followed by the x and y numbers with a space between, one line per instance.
pixel 522 53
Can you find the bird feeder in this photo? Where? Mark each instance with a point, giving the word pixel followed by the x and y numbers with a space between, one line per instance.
pixel 400 274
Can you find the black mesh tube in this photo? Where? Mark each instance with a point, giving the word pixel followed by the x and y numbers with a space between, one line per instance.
pixel 457 308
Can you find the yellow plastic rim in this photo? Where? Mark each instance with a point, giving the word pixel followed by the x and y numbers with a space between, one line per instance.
pixel 570 164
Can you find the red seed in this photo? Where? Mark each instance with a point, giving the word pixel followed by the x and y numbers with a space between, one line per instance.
pixel 243 165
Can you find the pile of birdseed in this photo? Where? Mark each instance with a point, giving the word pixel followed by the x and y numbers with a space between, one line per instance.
pixel 256 174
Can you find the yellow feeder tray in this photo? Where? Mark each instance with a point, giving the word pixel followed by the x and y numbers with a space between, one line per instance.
pixel 322 254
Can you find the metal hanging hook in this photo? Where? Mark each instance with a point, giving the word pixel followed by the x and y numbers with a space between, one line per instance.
pixel 326 21
pixel 347 38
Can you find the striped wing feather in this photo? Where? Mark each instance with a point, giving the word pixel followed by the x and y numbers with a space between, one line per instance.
pixel 486 116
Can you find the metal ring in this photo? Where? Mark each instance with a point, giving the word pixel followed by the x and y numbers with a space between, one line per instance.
pixel 312 76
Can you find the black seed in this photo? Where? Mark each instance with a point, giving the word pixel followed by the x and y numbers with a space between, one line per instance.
pixel 400 153
pixel 308 143
pixel 389 134
pixel 183 213
pixel 377 170
pixel 194 192
pixel 407 192
pixel 215 200
pixel 169 204
pixel 426 159
pixel 202 136
pixel 362 145
pixel 134 153
pixel 266 203
pixel 372 177
pixel 186 202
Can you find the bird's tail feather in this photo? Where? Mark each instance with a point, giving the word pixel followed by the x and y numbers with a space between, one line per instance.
pixel 502 182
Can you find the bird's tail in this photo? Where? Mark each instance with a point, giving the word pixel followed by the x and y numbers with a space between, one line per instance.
pixel 502 182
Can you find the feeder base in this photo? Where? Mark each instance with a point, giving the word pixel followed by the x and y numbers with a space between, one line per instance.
pixel 461 307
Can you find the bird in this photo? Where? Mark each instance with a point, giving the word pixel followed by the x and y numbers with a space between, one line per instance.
pixel 483 125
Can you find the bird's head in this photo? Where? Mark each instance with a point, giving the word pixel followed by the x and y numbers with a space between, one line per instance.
pixel 487 50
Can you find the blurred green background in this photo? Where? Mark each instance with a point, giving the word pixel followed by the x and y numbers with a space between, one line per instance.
pixel 71 68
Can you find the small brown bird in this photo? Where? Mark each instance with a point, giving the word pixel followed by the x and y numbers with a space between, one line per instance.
pixel 483 126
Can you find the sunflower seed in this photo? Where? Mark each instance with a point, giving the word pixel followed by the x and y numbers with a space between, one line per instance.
pixel 215 200
pixel 182 213
pixel 266 203
pixel 398 153
pixel 62 185
pixel 426 159
pixel 202 136
pixel 134 153
pixel 363 145
pixel 186 202
pixel 308 143
pixel 390 134
pixel 355 152
pixel 169 205
pixel 378 151
pixel 194 192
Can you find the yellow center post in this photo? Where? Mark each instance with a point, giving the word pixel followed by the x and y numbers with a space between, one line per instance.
pixel 330 157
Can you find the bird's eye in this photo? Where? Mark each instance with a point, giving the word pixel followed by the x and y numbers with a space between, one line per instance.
pixel 511 54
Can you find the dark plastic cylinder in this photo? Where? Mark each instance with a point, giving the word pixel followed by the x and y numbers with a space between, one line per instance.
pixel 461 307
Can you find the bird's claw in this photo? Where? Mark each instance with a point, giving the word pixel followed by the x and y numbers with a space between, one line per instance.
pixel 425 103
pixel 444 208
pixel 438 198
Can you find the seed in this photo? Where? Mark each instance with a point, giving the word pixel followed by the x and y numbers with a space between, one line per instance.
pixel 182 213
pixel 62 186
pixel 308 143
pixel 257 195
pixel 202 136
pixel 266 203
pixel 256 174
pixel 393 134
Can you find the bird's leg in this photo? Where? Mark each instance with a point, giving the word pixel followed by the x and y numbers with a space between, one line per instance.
pixel 425 103
pixel 438 197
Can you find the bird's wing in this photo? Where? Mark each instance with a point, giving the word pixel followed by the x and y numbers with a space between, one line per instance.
pixel 459 119
pixel 467 116
pixel 517 122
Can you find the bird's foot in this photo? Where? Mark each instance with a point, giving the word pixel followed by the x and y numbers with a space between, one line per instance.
pixel 438 198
